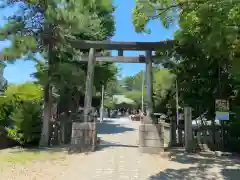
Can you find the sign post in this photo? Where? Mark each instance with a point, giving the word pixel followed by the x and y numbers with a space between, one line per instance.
pixel 222 114
pixel 222 109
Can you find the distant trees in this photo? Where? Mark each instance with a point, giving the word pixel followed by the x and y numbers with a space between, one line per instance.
pixel 163 86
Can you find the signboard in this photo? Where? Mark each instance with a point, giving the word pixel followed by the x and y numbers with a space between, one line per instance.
pixel 222 109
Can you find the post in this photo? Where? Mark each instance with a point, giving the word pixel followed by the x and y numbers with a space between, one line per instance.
pixel 179 130
pixel 89 85
pixel 172 129
pixel 84 133
pixel 102 105
pixel 120 52
pixel 149 83
pixel 151 134
pixel 143 92
pixel 177 113
pixel 188 129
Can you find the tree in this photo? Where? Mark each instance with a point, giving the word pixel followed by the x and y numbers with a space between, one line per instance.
pixel 163 82
pixel 45 27
pixel 114 87
pixel 201 57
pixel 134 83
pixel 206 57
pixel 164 89
pixel 136 96
pixel 69 83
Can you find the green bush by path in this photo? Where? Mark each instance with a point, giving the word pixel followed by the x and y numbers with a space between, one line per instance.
pixel 20 112
pixel 26 123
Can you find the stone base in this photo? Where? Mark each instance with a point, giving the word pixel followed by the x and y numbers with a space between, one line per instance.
pixel 84 137
pixel 151 138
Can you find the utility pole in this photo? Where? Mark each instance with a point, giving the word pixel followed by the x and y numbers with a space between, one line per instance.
pixel 102 105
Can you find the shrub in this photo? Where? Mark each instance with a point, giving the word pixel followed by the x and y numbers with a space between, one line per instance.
pixel 20 112
pixel 6 108
pixel 27 123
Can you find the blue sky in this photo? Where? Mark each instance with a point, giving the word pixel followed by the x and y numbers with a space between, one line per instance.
pixel 20 71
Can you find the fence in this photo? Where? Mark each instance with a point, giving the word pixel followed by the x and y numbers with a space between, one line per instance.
pixel 204 138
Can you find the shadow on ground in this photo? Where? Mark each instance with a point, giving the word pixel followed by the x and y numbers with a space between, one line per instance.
pixel 111 127
pixel 106 144
pixel 198 167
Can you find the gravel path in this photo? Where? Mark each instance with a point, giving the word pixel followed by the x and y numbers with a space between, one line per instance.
pixel 118 159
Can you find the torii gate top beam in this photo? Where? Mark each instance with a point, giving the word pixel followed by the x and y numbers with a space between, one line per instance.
pixel 131 46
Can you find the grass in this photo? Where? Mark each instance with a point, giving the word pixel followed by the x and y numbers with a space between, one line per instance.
pixel 25 155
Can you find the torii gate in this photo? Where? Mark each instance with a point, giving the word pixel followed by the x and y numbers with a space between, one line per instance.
pixel 150 134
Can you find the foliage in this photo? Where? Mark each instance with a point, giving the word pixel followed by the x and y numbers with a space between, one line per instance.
pixel 28 29
pixel 109 103
pixel 114 87
pixel 136 96
pixel 163 86
pixel 91 20
pixel 201 58
pixel 206 57
pixel 163 82
pixel 134 83
pixel 24 92
pixel 105 73
pixel 26 123
pixel 5 111
pixel 47 27
pixel 21 110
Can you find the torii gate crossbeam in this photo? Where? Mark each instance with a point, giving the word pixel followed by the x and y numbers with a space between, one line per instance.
pixel 155 143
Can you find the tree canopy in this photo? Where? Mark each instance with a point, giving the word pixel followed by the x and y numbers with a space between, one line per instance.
pixel 207 48
pixel 44 27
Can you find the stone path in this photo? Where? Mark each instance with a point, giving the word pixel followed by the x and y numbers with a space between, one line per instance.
pixel 118 159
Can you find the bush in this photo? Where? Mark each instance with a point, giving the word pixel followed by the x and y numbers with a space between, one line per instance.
pixel 20 112
pixel 6 108
pixel 27 123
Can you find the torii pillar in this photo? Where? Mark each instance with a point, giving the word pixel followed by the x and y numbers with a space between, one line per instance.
pixel 84 133
pixel 151 134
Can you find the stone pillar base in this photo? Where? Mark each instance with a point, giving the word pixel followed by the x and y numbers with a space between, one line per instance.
pixel 84 137
pixel 151 138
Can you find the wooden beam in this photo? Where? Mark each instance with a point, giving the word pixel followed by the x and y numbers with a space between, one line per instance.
pixel 112 45
pixel 140 59
pixel 120 52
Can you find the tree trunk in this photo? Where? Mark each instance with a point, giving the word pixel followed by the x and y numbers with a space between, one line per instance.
pixel 44 141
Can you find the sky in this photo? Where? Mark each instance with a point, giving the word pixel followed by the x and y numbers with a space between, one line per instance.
pixel 20 71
